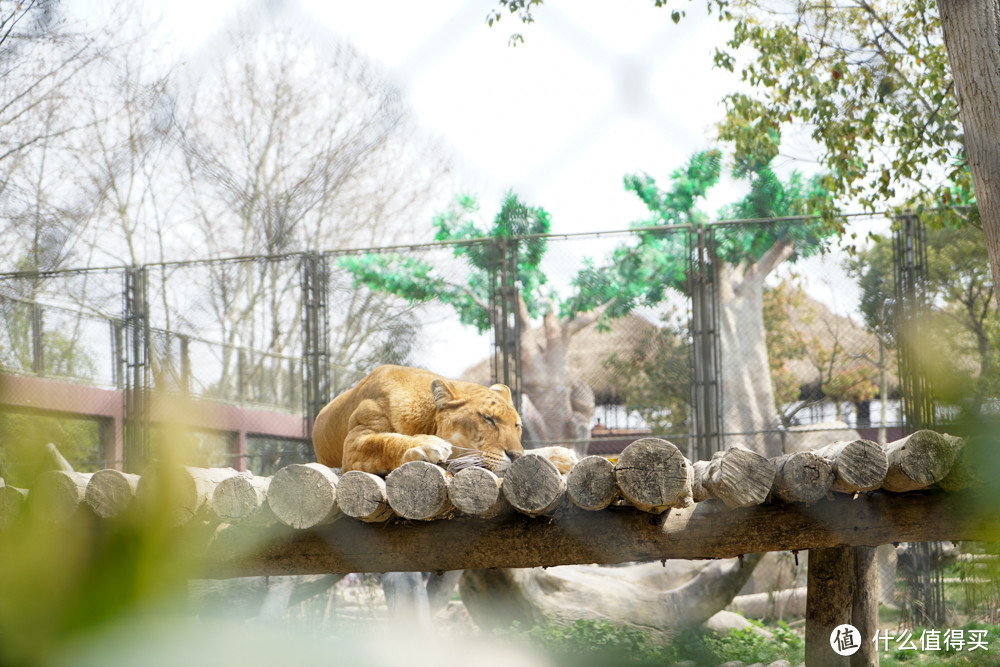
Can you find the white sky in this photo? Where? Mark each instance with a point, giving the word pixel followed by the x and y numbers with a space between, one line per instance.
pixel 599 89
pixel 591 95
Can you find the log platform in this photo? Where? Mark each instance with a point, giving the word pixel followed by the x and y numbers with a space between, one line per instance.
pixel 840 500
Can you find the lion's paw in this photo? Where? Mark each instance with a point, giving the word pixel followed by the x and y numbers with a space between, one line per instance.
pixel 563 457
pixel 431 449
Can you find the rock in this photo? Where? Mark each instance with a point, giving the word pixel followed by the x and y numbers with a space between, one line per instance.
pixel 724 621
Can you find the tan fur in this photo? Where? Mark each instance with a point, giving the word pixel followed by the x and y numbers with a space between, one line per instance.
pixel 398 414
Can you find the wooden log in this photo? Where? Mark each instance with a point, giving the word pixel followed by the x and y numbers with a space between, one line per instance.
pixel 58 495
pixel 591 485
pixel 830 581
pixel 532 485
pixel 617 535
pixel 304 495
pixel 242 498
pixel 917 461
pixel 111 493
pixel 476 491
pixel 737 476
pixel 12 501
pixel 967 469
pixel 180 493
pixel 653 475
pixel 418 490
pixel 362 495
pixel 858 465
pixel 55 458
pixel 801 477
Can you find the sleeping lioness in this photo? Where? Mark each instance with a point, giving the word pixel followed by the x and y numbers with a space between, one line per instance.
pixel 398 414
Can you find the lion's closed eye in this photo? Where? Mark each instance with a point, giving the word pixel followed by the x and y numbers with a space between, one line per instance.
pixel 489 420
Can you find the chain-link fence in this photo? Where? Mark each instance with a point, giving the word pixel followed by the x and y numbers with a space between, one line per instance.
pixel 763 333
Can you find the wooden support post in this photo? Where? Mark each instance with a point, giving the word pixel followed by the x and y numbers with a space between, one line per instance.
pixel 829 603
pixel 843 589
pixel 864 608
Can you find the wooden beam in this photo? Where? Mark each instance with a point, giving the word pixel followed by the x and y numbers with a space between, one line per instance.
pixel 615 535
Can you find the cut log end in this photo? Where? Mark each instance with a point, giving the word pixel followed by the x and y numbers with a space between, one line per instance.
pixel 182 493
pixel 476 491
pixel 418 490
pixel 591 485
pixel 802 477
pixel 737 476
pixel 304 495
pixel 653 475
pixel 58 495
pixel 860 465
pixel 918 461
pixel 533 485
pixel 242 499
pixel 12 501
pixel 362 496
pixel 111 493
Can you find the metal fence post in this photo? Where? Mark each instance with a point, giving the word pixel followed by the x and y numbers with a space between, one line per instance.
pixel 316 338
pixel 506 359
pixel 37 341
pixel 706 399
pixel 137 372
pixel 910 264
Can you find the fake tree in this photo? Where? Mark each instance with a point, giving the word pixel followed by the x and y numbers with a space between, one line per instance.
pixel 555 407
pixel 558 408
pixel 745 255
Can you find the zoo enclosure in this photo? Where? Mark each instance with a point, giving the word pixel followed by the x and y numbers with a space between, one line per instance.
pixel 262 343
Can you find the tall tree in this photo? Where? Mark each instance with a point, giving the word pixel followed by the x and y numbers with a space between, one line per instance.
pixel 556 407
pixel 744 257
pixel 293 141
pixel 901 96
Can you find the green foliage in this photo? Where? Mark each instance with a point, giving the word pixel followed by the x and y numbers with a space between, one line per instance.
pixel 588 642
pixel 481 249
pixel 961 331
pixel 750 647
pixel 23 436
pixel 592 642
pixel 869 79
pixel 656 377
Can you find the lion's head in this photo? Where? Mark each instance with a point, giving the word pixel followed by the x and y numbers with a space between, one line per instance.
pixel 481 423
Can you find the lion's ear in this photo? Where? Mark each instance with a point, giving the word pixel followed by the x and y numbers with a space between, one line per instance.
pixel 504 391
pixel 443 391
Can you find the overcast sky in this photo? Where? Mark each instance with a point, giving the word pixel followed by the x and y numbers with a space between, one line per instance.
pixel 591 95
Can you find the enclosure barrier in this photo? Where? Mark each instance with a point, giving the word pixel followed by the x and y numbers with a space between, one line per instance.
pixel 839 502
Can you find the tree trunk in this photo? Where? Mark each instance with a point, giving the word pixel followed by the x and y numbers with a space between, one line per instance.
pixel 556 408
pixel 972 36
pixel 646 597
pixel 749 414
